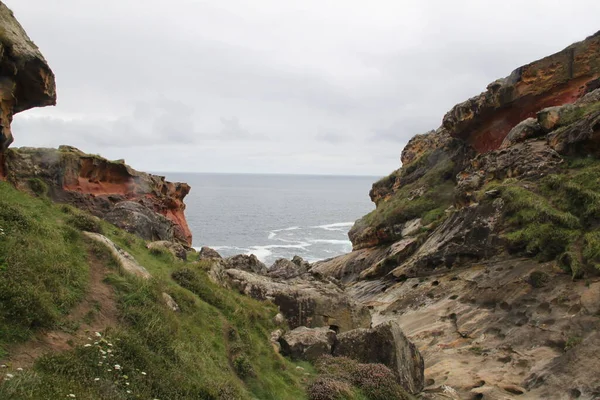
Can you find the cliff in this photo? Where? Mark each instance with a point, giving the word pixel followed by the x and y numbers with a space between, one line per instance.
pixel 138 202
pixel 26 80
pixel 484 246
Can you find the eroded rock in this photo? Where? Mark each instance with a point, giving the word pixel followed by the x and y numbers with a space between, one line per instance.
pixel 244 262
pixel 26 80
pixel 141 203
pixel 385 344
pixel 308 344
pixel 485 120
pixel 174 248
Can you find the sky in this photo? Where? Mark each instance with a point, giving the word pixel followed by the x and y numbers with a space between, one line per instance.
pixel 272 86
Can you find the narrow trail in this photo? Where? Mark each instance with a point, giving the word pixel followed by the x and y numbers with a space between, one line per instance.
pixel 96 312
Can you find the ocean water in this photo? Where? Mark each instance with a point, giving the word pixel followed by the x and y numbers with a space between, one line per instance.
pixel 275 216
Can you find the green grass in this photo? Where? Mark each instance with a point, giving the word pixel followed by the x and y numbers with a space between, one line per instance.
pixel 43 266
pixel 557 217
pixel 407 203
pixel 217 347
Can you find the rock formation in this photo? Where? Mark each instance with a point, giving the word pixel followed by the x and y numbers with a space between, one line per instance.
pixel 479 243
pixel 138 202
pixel 26 80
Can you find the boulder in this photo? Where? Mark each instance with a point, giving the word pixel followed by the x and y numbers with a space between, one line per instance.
pixel 173 306
pixel 286 269
pixel 174 248
pixel 308 344
pixel 206 253
pixel 139 220
pixel 247 263
pixel 125 260
pixel 527 129
pixel 305 301
pixel 385 344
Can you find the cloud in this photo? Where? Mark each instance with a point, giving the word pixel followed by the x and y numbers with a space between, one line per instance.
pixel 306 86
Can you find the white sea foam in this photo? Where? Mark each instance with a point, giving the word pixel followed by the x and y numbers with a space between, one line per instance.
pixel 274 232
pixel 331 241
pixel 338 226
pixel 263 252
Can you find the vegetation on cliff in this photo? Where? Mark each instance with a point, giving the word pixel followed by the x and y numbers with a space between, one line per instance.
pixel 216 347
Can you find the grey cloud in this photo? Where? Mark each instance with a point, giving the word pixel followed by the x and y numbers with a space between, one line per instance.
pixel 256 85
pixel 333 137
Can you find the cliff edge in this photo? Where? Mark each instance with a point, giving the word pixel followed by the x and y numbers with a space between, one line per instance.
pixel 485 245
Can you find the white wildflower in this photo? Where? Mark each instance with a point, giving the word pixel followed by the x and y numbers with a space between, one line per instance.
pixel 129 391
pixel 96 379
pixel 3 366
pixel 19 369
pixel 117 366
pixel 71 395
pixel 9 376
pixel 87 345
pixel 143 373
pixel 98 334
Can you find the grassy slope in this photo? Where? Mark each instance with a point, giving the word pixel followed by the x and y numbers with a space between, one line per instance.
pixel 217 347
pixel 557 217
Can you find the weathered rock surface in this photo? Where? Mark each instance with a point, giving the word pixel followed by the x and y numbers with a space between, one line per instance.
pixel 485 120
pixel 174 248
pixel 141 203
pixel 303 301
pixel 248 263
pixel 385 344
pixel 123 258
pixel 206 253
pixel 308 344
pixel 26 80
pixel 286 269
pixel 467 286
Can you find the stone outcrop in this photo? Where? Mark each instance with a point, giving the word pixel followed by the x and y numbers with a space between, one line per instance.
pixel 176 249
pixel 206 253
pixel 478 243
pixel 308 344
pixel 26 80
pixel 305 300
pixel 138 202
pixel 123 258
pixel 384 344
pixel 248 263
pixel 485 120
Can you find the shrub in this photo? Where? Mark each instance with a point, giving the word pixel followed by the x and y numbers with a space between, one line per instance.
pixel 85 222
pixel 38 187
pixel 243 366
pixel 327 388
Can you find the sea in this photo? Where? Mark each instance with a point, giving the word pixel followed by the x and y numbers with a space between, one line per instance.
pixel 274 216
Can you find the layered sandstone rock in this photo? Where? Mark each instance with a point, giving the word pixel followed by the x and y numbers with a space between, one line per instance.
pixel 484 121
pixel 141 203
pixel 26 80
pixel 478 244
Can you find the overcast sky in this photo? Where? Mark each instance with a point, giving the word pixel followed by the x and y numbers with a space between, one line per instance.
pixel 277 86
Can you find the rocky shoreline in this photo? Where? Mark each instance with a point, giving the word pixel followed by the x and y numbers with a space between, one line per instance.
pixel 477 275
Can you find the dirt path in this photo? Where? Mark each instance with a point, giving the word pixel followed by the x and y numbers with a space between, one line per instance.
pixel 96 312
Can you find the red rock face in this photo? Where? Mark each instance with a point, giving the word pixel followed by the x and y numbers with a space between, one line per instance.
pixel 97 185
pixel 485 120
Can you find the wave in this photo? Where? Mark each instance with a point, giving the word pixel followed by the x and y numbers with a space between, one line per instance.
pixel 331 241
pixel 338 226
pixel 274 232
pixel 263 252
